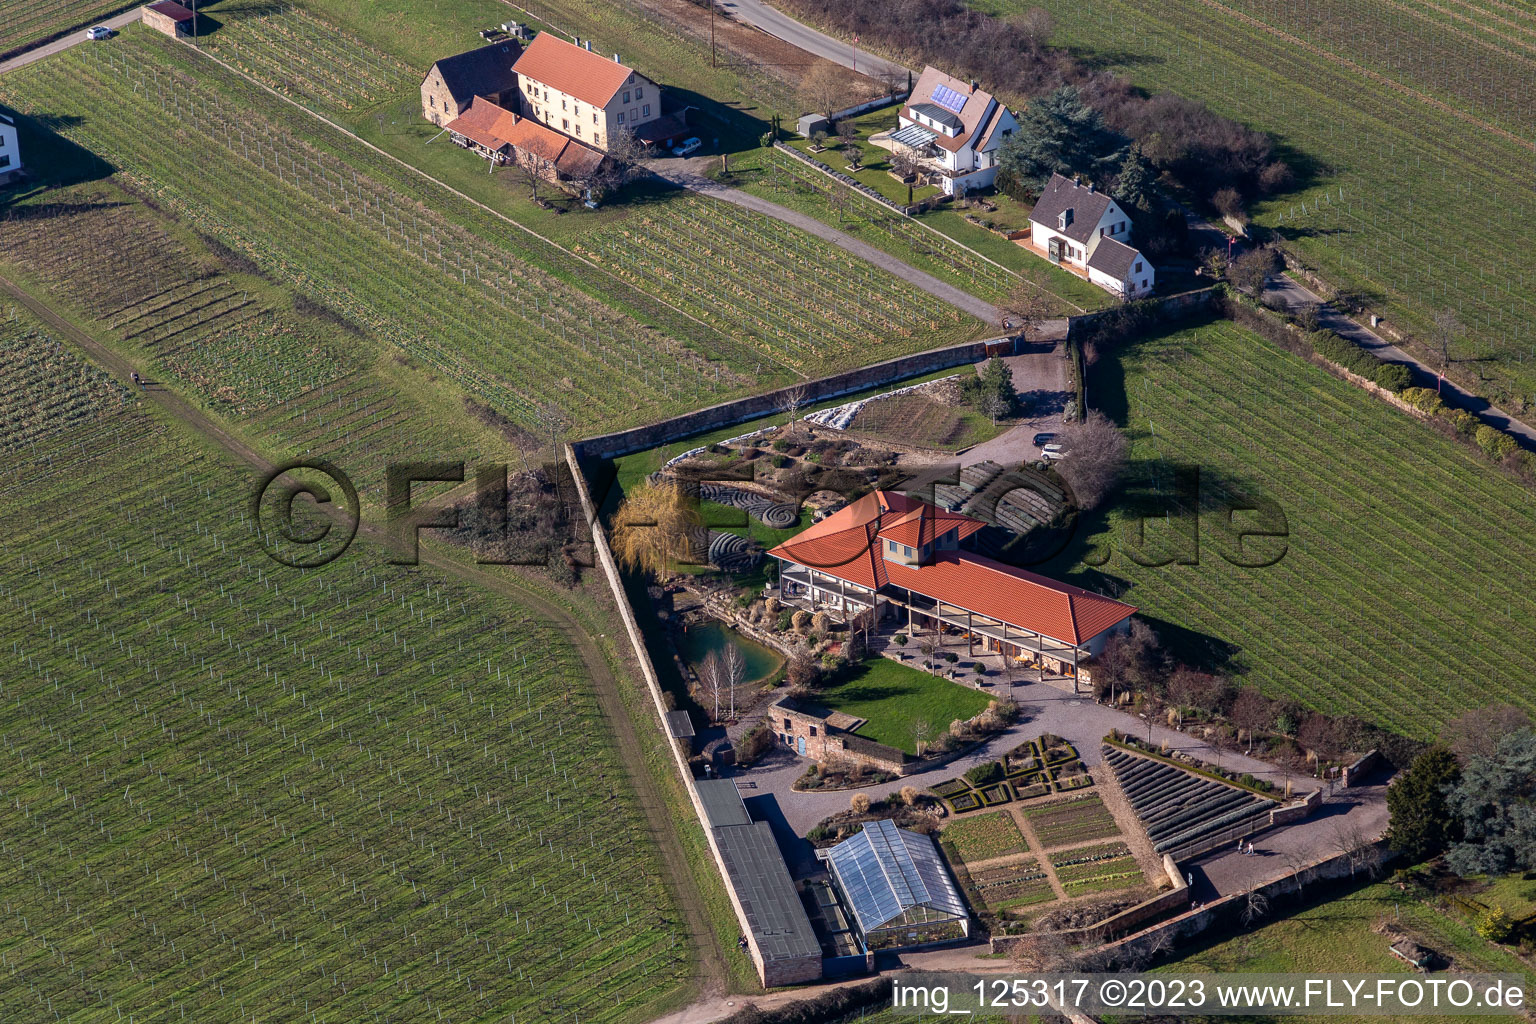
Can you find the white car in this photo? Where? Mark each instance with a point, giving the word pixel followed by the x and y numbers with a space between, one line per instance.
pixel 99 32
pixel 687 146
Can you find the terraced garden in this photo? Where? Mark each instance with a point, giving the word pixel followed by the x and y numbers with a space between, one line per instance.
pixel 323 795
pixel 1401 117
pixel 1398 596
pixel 1184 812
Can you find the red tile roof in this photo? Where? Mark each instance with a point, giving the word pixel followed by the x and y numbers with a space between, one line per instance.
pixel 171 9
pixel 590 77
pixel 845 546
pixel 495 127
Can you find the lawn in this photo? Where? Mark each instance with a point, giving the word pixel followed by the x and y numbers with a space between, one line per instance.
pixel 1340 937
pixel 984 836
pixel 1425 117
pixel 1399 593
pixel 352 788
pixel 892 697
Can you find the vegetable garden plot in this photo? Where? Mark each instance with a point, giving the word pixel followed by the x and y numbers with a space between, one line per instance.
pixel 1071 821
pixel 1009 886
pixel 381 249
pixel 984 836
pixel 1358 615
pixel 1096 869
pixel 362 792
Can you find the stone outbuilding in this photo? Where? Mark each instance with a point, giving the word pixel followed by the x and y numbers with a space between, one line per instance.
pixel 170 17
pixel 451 85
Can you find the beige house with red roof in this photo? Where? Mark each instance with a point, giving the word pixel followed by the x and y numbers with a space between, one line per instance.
pixel 906 557
pixel 589 97
pixel 954 129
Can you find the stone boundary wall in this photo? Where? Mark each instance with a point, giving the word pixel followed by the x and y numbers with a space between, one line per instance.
pixel 1352 775
pixel 867 106
pixel 1169 307
pixel 765 971
pixel 741 410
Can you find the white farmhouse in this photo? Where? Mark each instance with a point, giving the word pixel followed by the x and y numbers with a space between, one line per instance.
pixel 1083 228
pixel 954 130
pixel 10 151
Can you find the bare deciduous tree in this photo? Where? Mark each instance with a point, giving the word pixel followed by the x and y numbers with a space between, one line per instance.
pixel 712 680
pixel 1476 733
pixel 791 401
pixel 734 665
pixel 1034 25
pixel 531 170
pixel 1026 309
pixel 1255 907
pixel 1445 331
pixel 1095 456
pixel 824 88
pixel 922 729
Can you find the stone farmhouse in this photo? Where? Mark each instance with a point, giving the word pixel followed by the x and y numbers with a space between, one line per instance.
pixel 451 85
pixel 912 561
pixel 1085 230
pixel 954 130
pixel 10 151
pixel 588 97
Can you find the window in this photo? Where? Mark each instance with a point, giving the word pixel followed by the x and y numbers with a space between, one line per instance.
pixel 907 551
pixel 594 117
pixel 626 95
pixel 546 95
pixel 621 117
pixel 597 140
pixel 634 115
pixel 562 104
pixel 645 111
pixel 1138 266
pixel 432 101
pixel 1102 232
pixel 565 123
pixel 787 725
pixel 890 545
pixel 5 159
pixel 639 92
pixel 578 131
pixel 813 730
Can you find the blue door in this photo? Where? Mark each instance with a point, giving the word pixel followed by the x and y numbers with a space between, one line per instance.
pixel 800 745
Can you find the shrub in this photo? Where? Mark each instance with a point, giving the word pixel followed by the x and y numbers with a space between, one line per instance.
pixel 800 621
pixel 1495 444
pixel 984 774
pixel 754 745
pixel 859 803
pixel 803 672
pixel 910 795
pixel 781 445
pixel 821 622
pixel 1424 400
pixel 785 620
pixel 780 461
pixel 951 657
pixel 1393 376
pixel 901 639
pixel 1465 423
pixel 1496 925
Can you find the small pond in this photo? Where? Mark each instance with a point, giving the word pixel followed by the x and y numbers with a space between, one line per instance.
pixel 699 639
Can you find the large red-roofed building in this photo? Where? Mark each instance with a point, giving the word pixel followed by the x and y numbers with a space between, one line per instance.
pixel 903 556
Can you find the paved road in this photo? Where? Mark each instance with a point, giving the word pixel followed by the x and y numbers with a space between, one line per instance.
pixel 115 23
pixel 839 51
pixel 966 303
pixel 1287 292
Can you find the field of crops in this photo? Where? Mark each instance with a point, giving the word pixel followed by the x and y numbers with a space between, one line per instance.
pixel 1072 821
pixel 385 250
pixel 239 791
pixel 1405 119
pixel 985 836
pixel 24 21
pixel 1011 886
pixel 301 56
pixel 1402 592
pixel 44 390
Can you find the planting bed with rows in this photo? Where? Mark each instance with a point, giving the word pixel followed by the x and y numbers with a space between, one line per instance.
pixel 45 390
pixel 1179 808
pixel 1401 545
pixel 1011 886
pixel 984 836
pixel 1096 869
pixel 1071 821
pixel 363 792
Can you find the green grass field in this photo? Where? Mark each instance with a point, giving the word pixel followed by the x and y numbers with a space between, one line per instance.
pixel 1401 595
pixel 1399 118
pixel 326 794
pixel 892 697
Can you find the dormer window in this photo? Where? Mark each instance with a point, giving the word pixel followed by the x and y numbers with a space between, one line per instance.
pixel 1063 219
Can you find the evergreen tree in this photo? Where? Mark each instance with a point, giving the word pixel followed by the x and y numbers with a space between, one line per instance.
pixel 1059 134
pixel 991 391
pixel 1422 823
pixel 1495 802
pixel 1136 189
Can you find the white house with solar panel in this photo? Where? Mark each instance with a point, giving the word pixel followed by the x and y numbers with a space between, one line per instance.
pixel 896 889
pixel 954 131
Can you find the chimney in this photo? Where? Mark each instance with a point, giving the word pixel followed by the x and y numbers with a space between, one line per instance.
pixel 1077 179
pixel 616 59
pixel 1089 186
pixel 975 85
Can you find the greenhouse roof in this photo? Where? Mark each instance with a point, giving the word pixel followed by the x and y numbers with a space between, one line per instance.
pixel 886 871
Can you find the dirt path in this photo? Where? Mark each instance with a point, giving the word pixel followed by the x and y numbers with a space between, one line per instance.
pixel 961 300
pixel 1286 292
pixel 115 23
pixel 694 915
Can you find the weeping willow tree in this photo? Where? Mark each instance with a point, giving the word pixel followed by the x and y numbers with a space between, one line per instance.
pixel 653 527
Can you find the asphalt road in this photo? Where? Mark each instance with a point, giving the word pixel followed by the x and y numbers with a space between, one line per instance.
pixel 1285 291
pixel 782 26
pixel 115 23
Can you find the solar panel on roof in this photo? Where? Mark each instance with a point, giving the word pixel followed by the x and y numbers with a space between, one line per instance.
pixel 949 99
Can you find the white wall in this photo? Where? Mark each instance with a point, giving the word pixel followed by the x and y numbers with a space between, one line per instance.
pixel 9 149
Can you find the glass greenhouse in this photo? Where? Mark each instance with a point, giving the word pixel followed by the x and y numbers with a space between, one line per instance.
pixel 897 888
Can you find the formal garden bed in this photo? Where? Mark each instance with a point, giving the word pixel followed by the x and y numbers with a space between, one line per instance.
pixel 1093 869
